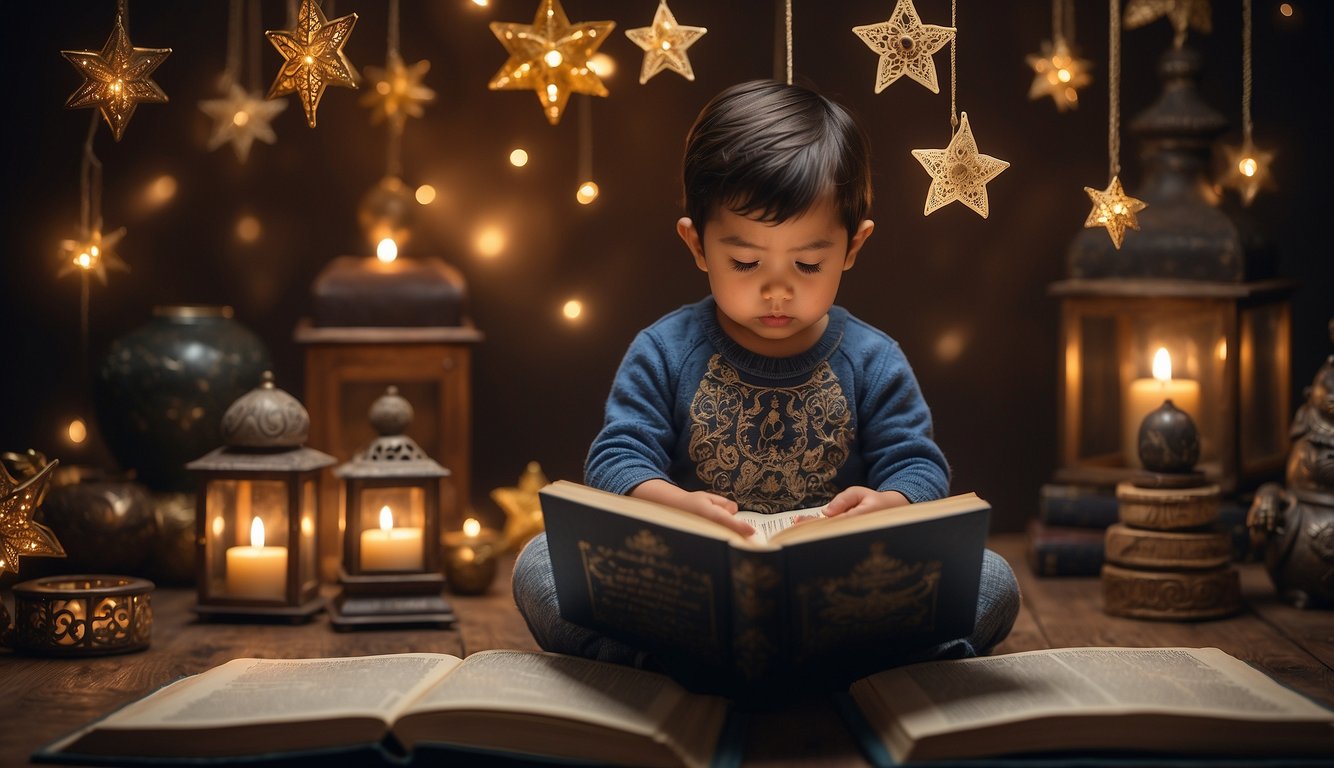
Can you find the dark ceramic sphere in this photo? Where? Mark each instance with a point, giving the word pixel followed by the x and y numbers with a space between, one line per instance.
pixel 105 526
pixel 1168 440
pixel 163 387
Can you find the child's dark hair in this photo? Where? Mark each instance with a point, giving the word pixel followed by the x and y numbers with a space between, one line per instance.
pixel 769 151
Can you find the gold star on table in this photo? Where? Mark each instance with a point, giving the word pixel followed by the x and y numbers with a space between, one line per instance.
pixel 397 92
pixel 550 57
pixel 117 79
pixel 19 534
pixel 1182 13
pixel 94 253
pixel 958 172
pixel 313 57
pixel 1058 73
pixel 522 506
pixel 665 44
pixel 905 46
pixel 1247 170
pixel 1113 209
pixel 240 118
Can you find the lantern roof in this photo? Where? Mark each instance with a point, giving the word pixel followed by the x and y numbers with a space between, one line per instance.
pixel 393 454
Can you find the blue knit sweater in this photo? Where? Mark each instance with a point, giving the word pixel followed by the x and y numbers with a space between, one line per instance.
pixel 691 406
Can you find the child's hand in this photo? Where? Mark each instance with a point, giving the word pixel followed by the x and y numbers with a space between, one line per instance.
pixel 709 506
pixel 858 500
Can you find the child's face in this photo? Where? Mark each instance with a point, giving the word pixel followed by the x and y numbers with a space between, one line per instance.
pixel 774 283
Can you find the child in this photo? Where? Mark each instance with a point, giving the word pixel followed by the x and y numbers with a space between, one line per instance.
pixel 765 396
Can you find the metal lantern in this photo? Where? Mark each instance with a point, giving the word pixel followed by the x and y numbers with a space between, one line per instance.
pixel 256 514
pixel 391 571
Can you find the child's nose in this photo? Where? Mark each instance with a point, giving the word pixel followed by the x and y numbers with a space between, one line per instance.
pixel 776 290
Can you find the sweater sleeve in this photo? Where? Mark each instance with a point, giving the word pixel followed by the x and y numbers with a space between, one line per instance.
pixel 637 437
pixel 896 432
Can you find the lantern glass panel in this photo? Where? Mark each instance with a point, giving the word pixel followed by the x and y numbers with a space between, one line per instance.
pixel 406 504
pixel 1264 386
pixel 233 506
pixel 309 562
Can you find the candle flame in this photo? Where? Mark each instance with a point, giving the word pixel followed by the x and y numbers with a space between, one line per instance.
pixel 386 518
pixel 471 527
pixel 257 533
pixel 1162 365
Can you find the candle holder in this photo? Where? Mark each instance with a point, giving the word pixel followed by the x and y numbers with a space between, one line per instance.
pixel 257 506
pixel 82 615
pixel 390 574
pixel 470 558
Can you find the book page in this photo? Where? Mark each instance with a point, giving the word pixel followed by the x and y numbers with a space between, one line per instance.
pixel 640 509
pixel 840 525
pixel 767 525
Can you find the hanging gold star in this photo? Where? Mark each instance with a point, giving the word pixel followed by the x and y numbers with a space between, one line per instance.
pixel 1113 209
pixel 313 57
pixel 1182 13
pixel 240 118
pixel 19 535
pixel 397 92
pixel 1247 170
pixel 958 172
pixel 550 57
pixel 522 506
pixel 94 253
pixel 1058 73
pixel 905 46
pixel 665 44
pixel 117 79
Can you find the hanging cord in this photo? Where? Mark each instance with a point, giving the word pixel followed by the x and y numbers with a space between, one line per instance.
pixel 393 153
pixel 1113 90
pixel 90 220
pixel 585 139
pixel 231 72
pixel 954 68
pixel 291 13
pixel 1068 30
pixel 1246 125
pixel 1057 25
pixel 252 77
pixel 787 37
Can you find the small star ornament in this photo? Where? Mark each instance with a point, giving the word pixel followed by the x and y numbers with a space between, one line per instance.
pixel 959 172
pixel 1113 209
pixel 550 57
pixel 905 46
pixel 1247 170
pixel 313 57
pixel 20 536
pixel 117 79
pixel 522 506
pixel 1184 15
pixel 1058 73
pixel 95 253
pixel 397 92
pixel 665 44
pixel 240 118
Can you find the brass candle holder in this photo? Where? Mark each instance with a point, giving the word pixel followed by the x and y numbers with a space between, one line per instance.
pixel 82 615
pixel 470 558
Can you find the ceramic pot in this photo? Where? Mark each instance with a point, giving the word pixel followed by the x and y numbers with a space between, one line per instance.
pixel 106 525
pixel 163 387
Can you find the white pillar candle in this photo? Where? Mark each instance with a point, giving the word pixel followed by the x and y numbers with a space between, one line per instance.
pixel 1147 395
pixel 257 571
pixel 390 548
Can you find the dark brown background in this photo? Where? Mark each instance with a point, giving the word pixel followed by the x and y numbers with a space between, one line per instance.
pixel 539 382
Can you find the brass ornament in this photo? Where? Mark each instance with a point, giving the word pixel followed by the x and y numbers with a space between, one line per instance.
pixel 313 57
pixel 664 44
pixel 95 253
pixel 117 78
pixel 240 118
pixel 1059 73
pixel 396 91
pixel 19 534
pixel 1113 209
pixel 959 172
pixel 1184 15
pixel 905 46
pixel 550 57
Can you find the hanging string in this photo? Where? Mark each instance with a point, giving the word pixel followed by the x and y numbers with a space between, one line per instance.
pixel 291 13
pixel 394 153
pixel 1246 125
pixel 1113 89
pixel 787 37
pixel 585 139
pixel 256 34
pixel 90 219
pixel 954 66
pixel 231 72
pixel 392 45
pixel 1068 31
pixel 1057 25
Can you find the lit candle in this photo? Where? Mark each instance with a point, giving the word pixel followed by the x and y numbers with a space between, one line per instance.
pixel 257 570
pixel 390 548
pixel 1146 395
pixel 470 558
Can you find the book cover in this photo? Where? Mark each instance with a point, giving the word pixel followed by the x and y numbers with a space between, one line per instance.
pixel 814 605
pixel 1064 550
pixel 1077 506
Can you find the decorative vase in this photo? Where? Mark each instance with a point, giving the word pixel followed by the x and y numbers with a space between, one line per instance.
pixel 105 524
pixel 163 387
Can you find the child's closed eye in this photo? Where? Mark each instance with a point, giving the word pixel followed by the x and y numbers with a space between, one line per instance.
pixel 744 266
pixel 810 269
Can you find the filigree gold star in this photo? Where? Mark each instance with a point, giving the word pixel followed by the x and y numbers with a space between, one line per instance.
pixel 958 172
pixel 1058 73
pixel 1247 170
pixel 240 118
pixel 117 79
pixel 313 57
pixel 665 44
pixel 19 535
pixel 1113 209
pixel 905 46
pixel 1183 14
pixel 550 57
pixel 397 92
pixel 94 253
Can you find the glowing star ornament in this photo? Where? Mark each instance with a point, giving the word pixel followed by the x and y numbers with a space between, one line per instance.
pixel 550 57
pixel 1058 73
pixel 94 253
pixel 1113 209
pixel 1184 15
pixel 1247 170
pixel 665 44
pixel 959 172
pixel 239 118
pixel 116 80
pixel 397 92
pixel 313 57
pixel 19 535
pixel 905 46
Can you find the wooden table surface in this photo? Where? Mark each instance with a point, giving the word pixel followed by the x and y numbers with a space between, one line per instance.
pixel 43 698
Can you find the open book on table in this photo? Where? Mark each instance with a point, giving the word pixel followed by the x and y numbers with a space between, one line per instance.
pixel 816 603
pixel 400 706
pixel 1081 701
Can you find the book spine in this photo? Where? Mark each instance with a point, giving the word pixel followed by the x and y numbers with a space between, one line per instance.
pixel 1064 551
pixel 1077 506
pixel 757 614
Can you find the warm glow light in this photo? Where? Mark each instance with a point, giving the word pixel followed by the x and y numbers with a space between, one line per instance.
pixel 247 228
pixel 218 526
pixel 240 118
pixel 489 241
pixel 387 250
pixel 386 518
pixel 572 309
pixel 1285 9
pixel 553 59
pixel 77 431
pixel 257 533
pixel 602 65
pixel 518 158
pixel 552 92
pixel 1063 75
pixel 425 194
pixel 308 60
pixel 587 193
pixel 1162 365
pixel 307 526
pixel 160 190
pixel 950 345
pixel 1221 350
pixel 480 3
pixel 84 261
pixel 1248 166
pixel 471 527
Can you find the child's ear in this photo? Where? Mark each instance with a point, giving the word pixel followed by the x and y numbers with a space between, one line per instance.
pixel 864 231
pixel 690 236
